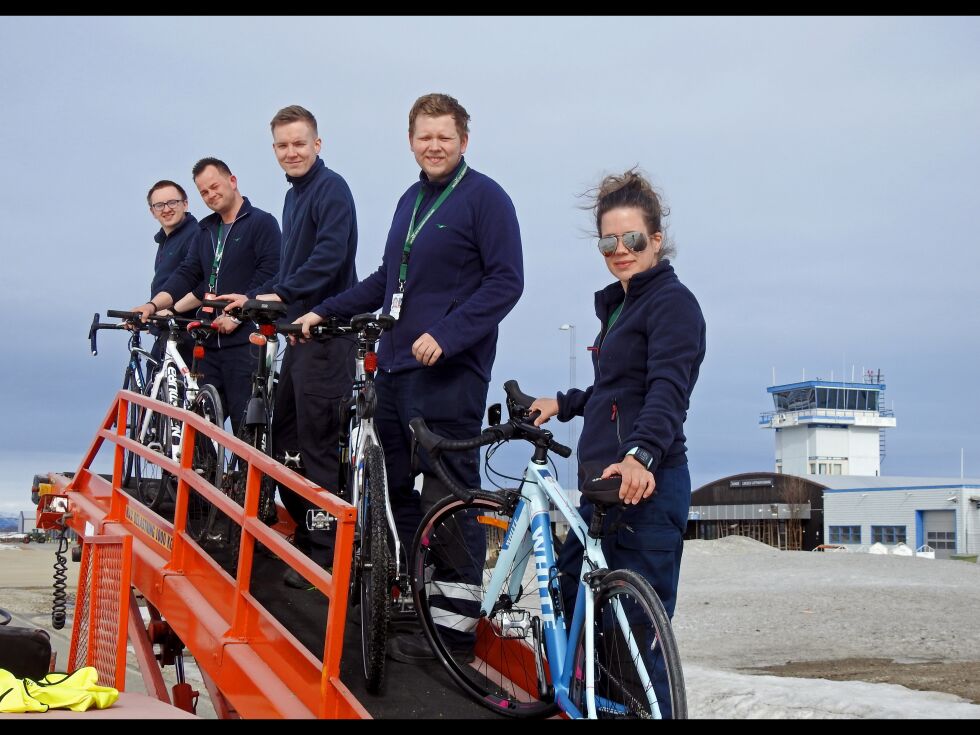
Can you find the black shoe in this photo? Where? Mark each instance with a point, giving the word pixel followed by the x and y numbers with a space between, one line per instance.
pixel 294 579
pixel 414 648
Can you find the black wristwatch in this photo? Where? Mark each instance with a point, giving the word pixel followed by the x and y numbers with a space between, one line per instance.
pixel 641 455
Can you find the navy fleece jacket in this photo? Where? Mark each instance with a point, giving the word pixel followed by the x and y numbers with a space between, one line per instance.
pixel 465 273
pixel 250 257
pixel 646 366
pixel 172 249
pixel 319 241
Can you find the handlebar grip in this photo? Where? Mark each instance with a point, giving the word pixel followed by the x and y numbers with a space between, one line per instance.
pixel 515 394
pixel 215 303
pixel 92 332
pixel 560 449
pixel 121 314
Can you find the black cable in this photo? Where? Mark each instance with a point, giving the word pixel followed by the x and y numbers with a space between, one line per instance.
pixel 60 603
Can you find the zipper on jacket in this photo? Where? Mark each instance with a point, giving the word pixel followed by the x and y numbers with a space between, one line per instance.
pixel 614 416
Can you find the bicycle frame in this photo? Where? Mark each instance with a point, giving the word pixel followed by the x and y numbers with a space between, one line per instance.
pixel 168 370
pixel 529 532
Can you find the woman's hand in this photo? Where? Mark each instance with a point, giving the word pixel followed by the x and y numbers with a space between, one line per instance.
pixel 638 483
pixel 548 408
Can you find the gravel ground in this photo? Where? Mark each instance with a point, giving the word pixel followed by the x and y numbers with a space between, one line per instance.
pixel 863 629
pixel 744 606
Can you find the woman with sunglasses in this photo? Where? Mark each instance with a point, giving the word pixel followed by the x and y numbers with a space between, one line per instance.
pixel 646 359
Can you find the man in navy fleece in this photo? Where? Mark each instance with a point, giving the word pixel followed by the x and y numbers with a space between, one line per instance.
pixel 319 242
pixel 452 269
pixel 237 250
pixel 178 230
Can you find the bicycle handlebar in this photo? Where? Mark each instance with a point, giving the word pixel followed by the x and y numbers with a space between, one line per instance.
pixel 520 425
pixel 327 329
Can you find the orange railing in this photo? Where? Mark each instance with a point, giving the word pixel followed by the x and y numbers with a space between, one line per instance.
pixel 251 659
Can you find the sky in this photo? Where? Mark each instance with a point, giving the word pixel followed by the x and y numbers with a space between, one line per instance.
pixel 821 174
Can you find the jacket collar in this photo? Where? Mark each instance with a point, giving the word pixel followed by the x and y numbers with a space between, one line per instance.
pixel 612 295
pixel 161 236
pixel 440 185
pixel 299 182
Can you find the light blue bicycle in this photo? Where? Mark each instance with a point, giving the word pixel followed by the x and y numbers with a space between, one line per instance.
pixel 483 569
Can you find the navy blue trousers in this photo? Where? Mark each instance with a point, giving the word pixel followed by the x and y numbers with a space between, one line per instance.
pixel 452 400
pixel 315 379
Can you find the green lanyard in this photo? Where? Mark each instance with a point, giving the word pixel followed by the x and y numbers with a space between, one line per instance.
pixel 217 257
pixel 413 229
pixel 614 316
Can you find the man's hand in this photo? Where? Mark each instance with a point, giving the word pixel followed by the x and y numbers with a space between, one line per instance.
pixel 225 324
pixel 307 320
pixel 236 299
pixel 268 297
pixel 548 408
pixel 638 482
pixel 426 350
pixel 144 310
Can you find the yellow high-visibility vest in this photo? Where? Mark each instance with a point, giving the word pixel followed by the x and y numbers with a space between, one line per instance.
pixel 77 691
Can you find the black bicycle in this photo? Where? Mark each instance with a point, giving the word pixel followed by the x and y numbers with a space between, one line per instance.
pixel 254 428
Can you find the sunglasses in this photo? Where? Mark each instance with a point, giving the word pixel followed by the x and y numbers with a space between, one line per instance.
pixel 633 241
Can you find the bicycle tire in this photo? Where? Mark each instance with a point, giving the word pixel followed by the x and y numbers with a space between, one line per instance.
pixel 153 484
pixel 208 462
pixel 233 485
pixel 375 570
pixel 617 682
pixel 502 676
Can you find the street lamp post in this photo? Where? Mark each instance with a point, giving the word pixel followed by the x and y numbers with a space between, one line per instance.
pixel 570 328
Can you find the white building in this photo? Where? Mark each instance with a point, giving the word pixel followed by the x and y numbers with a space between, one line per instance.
pixel 829 428
pixel 942 513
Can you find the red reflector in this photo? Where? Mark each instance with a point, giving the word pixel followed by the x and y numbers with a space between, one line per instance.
pixel 257 339
pixel 267 329
pixel 371 362
pixel 198 352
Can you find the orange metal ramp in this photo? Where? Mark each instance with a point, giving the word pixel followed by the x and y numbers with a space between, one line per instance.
pixel 253 665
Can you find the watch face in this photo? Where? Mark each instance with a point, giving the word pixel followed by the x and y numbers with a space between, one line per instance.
pixel 644 457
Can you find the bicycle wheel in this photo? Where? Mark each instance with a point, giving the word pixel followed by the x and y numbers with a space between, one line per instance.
pixel 156 431
pixel 630 627
pixel 454 553
pixel 208 462
pixel 374 560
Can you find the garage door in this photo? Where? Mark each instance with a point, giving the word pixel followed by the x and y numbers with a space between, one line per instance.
pixel 940 531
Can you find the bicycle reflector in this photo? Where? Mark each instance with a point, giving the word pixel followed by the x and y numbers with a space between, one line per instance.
pixel 257 339
pixel 267 329
pixel 198 352
pixel 371 361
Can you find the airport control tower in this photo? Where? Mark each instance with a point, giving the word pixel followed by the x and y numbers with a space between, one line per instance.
pixel 826 427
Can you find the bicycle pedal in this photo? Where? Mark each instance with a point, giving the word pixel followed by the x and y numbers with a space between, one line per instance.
pixel 318 520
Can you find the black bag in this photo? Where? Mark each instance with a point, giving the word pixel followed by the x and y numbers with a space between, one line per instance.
pixel 25 652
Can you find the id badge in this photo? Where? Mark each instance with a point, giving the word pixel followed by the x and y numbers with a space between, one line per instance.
pixel 396 304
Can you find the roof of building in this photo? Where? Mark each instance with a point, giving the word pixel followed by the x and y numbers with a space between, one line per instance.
pixel 886 482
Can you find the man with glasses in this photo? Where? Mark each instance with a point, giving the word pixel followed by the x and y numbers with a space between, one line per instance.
pixel 236 249
pixel 178 230
pixel 319 227
pixel 452 270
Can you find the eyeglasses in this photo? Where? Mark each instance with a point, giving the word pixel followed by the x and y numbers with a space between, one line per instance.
pixel 170 204
pixel 633 241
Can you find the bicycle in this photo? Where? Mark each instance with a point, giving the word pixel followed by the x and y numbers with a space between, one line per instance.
pixel 364 479
pixel 618 657
pixel 255 428
pixel 169 381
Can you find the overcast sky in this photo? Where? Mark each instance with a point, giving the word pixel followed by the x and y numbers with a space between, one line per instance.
pixel 822 175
